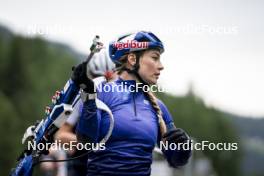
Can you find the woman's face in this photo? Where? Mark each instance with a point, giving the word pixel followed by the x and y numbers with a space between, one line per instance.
pixel 150 66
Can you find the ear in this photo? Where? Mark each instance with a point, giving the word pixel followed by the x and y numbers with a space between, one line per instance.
pixel 131 58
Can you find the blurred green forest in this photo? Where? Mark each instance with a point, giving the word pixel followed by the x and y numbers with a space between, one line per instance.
pixel 32 69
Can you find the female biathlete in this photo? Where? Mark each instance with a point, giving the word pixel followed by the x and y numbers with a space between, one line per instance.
pixel 139 116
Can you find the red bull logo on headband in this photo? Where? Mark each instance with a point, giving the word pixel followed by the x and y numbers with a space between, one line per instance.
pixel 131 45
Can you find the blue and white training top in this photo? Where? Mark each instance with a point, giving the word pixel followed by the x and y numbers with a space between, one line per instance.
pixel 135 134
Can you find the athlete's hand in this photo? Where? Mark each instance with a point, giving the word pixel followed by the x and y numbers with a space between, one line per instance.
pixel 181 156
pixel 79 77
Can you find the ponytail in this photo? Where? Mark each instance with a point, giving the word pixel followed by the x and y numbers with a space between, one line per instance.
pixel 153 100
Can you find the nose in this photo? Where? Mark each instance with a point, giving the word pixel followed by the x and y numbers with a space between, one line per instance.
pixel 160 66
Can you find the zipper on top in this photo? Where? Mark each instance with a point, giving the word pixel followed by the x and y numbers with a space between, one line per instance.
pixel 135 106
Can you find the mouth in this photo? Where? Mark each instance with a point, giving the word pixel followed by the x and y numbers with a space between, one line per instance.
pixel 157 75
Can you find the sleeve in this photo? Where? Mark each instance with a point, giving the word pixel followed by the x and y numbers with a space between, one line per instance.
pixel 88 126
pixel 175 157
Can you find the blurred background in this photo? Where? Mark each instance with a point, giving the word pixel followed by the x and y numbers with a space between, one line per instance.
pixel 213 74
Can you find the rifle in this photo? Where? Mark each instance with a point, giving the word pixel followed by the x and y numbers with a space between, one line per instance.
pixel 57 113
